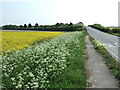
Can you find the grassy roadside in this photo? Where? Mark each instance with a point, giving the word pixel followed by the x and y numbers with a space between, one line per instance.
pixel 116 34
pixel 74 76
pixel 112 64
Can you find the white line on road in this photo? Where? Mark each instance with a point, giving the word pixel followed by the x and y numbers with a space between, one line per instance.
pixel 112 54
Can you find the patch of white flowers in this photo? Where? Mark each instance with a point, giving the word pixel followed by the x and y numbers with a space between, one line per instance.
pixel 35 66
pixel 98 43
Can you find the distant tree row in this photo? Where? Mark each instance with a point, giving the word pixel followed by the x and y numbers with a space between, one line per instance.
pixel 105 29
pixel 57 27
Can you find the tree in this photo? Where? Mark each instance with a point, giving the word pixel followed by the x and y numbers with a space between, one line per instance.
pixel 21 26
pixel 25 25
pixel 80 22
pixel 71 23
pixel 57 24
pixel 29 25
pixel 61 24
pixel 66 24
pixel 36 25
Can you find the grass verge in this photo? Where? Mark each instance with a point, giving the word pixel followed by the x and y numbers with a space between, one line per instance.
pixel 116 34
pixel 74 76
pixel 112 64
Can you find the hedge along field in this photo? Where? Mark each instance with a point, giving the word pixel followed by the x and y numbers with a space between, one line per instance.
pixel 12 41
pixel 38 64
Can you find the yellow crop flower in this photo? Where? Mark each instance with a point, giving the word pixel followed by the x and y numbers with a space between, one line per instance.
pixel 12 41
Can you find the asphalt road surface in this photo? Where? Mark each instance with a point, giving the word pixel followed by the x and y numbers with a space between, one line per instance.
pixel 111 42
pixel 99 74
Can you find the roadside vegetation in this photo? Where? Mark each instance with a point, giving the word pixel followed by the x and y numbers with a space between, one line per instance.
pixel 57 27
pixel 113 31
pixel 57 62
pixel 113 65
pixel 74 76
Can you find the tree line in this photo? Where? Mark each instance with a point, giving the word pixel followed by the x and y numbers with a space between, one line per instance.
pixel 57 27
pixel 105 29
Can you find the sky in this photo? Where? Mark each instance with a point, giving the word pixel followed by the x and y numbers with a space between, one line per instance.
pixel 48 12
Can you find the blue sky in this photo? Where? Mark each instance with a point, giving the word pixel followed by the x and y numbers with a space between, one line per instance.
pixel 43 12
pixel 26 12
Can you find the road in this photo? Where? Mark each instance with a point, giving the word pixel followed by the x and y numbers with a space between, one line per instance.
pixel 111 42
pixel 99 74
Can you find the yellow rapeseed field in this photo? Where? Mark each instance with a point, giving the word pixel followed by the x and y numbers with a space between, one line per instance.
pixel 18 40
pixel 113 28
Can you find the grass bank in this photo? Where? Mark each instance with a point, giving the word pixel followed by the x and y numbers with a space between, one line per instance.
pixel 116 34
pixel 113 65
